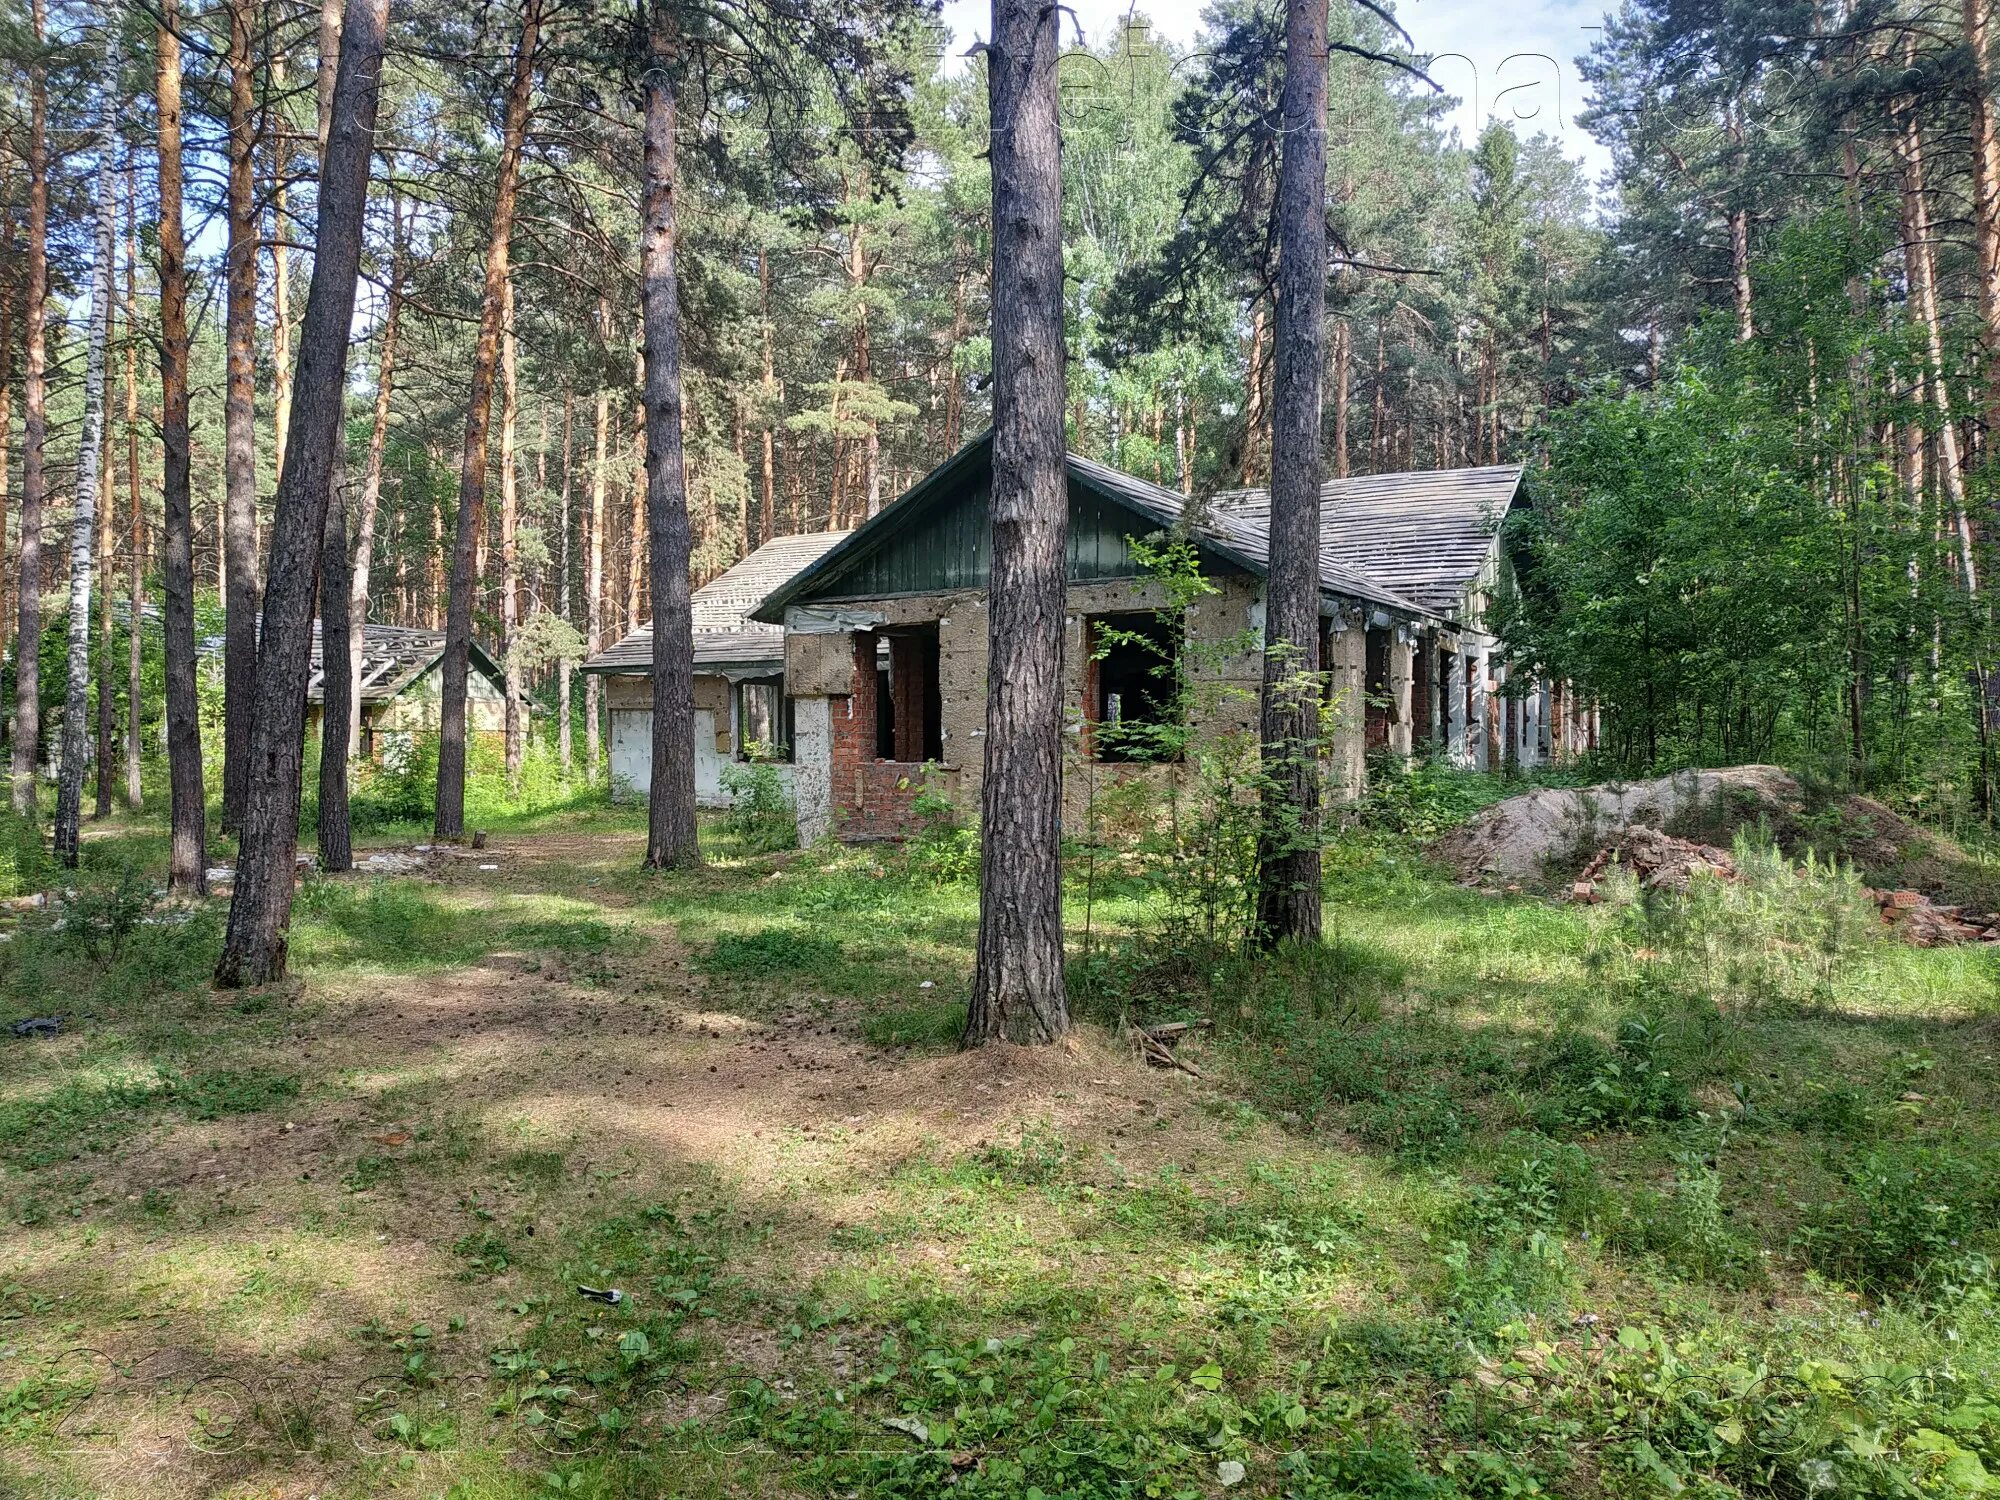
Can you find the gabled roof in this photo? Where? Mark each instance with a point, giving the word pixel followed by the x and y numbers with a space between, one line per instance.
pixel 725 637
pixel 393 657
pixel 1426 534
pixel 1236 539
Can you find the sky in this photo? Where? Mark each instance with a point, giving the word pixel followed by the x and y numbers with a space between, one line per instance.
pixel 1512 58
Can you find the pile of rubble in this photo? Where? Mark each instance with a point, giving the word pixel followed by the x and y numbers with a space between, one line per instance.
pixel 1917 920
pixel 1659 861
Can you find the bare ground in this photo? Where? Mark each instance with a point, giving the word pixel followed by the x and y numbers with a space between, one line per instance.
pixel 221 1338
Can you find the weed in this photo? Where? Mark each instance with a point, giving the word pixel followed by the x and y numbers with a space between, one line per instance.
pixel 1905 1212
pixel 770 952
pixel 761 817
pixel 935 1024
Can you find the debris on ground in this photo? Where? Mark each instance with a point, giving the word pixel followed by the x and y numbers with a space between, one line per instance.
pixel 392 862
pixel 609 1295
pixel 39 1026
pixel 1542 833
pixel 1919 921
pixel 1659 861
pixel 1156 1043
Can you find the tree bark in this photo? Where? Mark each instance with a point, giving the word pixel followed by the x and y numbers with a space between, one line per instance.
pixel 338 671
pixel 1017 983
pixel 334 825
pixel 450 815
pixel 7 331
pixel 593 734
pixel 1985 146
pixel 254 947
pixel 1343 342
pixel 243 590
pixel 671 843
pixel 187 869
pixel 26 758
pixel 1288 856
pixel 1920 263
pixel 565 669
pixel 89 468
pixel 106 550
pixel 510 516
pixel 135 573
pixel 281 282
pixel 767 515
pixel 371 483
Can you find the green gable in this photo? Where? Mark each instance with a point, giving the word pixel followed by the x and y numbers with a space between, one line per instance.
pixel 938 537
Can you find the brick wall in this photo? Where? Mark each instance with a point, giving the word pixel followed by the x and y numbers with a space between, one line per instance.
pixel 871 798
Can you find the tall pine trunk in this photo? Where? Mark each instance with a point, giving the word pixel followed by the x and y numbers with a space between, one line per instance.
pixel 254 947
pixel 26 764
pixel 89 467
pixel 1921 269
pixel 242 589
pixel 338 671
pixel 106 549
pixel 371 483
pixel 1984 117
pixel 510 515
pixel 1288 856
pixel 187 868
pixel 135 573
pixel 566 668
pixel 670 820
pixel 1017 982
pixel 593 692
pixel 450 814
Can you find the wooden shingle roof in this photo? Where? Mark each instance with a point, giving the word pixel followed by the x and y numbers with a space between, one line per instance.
pixel 1425 534
pixel 725 637
pixel 393 657
pixel 1239 540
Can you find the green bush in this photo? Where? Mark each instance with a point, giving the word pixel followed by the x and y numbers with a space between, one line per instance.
pixel 761 817
pixel 944 849
pixel 1420 1128
pixel 1905 1211
pixel 1590 1086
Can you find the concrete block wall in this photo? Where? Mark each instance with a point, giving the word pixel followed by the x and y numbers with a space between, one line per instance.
pixel 832 680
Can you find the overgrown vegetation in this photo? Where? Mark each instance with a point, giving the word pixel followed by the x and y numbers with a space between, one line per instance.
pixel 1482 1196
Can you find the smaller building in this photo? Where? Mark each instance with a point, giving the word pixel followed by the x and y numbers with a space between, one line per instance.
pixel 741 710
pixel 402 686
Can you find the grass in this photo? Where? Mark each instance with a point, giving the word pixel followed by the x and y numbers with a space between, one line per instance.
pixel 1484 1196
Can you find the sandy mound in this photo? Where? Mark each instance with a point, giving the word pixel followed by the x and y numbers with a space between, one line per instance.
pixel 1552 832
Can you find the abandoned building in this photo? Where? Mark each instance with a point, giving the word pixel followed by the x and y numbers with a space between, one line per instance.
pixel 740 704
pixel 402 686
pixel 1436 538
pixel 885 636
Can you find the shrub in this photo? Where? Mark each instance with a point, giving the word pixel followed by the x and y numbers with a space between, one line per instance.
pixel 1419 1128
pixel 1904 1212
pixel 761 817
pixel 1592 1086
pixel 944 849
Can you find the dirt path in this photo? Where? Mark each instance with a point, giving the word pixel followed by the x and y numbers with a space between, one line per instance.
pixel 519 1089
